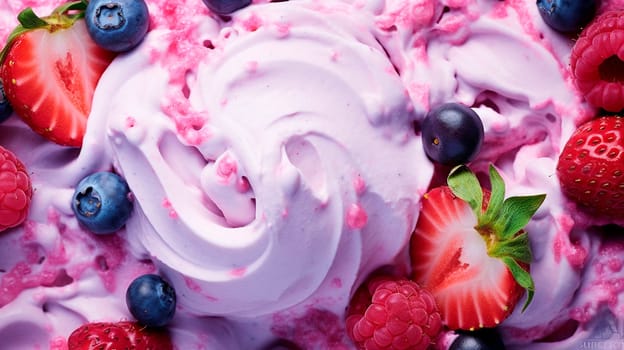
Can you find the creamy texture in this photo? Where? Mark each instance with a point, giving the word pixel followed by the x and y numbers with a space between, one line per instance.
pixel 275 162
pixel 265 172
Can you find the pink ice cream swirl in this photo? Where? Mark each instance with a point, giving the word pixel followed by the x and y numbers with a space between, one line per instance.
pixel 277 166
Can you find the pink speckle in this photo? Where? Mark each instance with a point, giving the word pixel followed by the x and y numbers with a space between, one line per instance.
pixel 358 184
pixel 615 264
pixel 419 93
pixel 58 343
pixel 564 224
pixel 13 282
pixel 238 272
pixel 318 329
pixel 195 287
pixel 130 122
pixel 252 23
pixel 226 168
pixel 336 282
pixel 356 217
pixel 192 285
pixel 283 29
pixel 189 123
pixel 242 185
pixel 408 14
pixel 576 255
pixel 170 210
pixel 252 67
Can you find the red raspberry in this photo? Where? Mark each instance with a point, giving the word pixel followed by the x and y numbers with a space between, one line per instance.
pixel 388 313
pixel 15 190
pixel 597 61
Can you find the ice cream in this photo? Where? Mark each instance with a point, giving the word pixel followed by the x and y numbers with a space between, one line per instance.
pixel 275 162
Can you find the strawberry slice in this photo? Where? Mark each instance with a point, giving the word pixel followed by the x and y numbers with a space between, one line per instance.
pixel 470 251
pixel 50 68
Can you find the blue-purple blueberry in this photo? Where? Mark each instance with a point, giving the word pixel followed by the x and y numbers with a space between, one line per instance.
pixel 151 300
pixel 482 339
pixel 5 107
pixel 567 16
pixel 117 25
pixel 102 202
pixel 452 134
pixel 226 7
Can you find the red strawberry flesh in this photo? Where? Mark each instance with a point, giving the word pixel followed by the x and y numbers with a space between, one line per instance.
pixel 50 75
pixel 450 259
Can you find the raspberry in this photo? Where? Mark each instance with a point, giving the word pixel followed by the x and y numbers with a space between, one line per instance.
pixel 388 313
pixel 15 190
pixel 597 61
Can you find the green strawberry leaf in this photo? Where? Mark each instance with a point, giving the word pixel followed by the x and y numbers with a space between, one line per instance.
pixel 517 248
pixel 465 185
pixel 497 195
pixel 79 5
pixel 523 278
pixel 515 214
pixel 29 19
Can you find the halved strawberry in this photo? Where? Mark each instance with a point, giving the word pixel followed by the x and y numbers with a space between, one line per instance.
pixel 470 251
pixel 118 335
pixel 50 68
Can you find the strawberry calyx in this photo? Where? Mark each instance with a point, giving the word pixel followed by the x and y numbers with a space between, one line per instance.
pixel 62 17
pixel 500 221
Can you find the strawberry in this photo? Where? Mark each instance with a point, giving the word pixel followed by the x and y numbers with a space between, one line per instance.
pixel 15 190
pixel 50 67
pixel 392 313
pixel 119 335
pixel 470 250
pixel 591 167
pixel 596 61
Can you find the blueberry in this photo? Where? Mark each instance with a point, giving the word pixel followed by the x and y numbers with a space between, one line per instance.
pixel 225 7
pixel 102 202
pixel 482 339
pixel 151 300
pixel 117 25
pixel 282 344
pixel 567 16
pixel 452 134
pixel 5 107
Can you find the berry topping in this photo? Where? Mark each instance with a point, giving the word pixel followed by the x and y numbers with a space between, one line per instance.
pixel 226 7
pixel 481 339
pixel 567 16
pixel 50 67
pixel 5 107
pixel 392 313
pixel 117 25
pixel 452 134
pixel 597 63
pixel 151 300
pixel 591 167
pixel 15 190
pixel 102 202
pixel 120 335
pixel 470 250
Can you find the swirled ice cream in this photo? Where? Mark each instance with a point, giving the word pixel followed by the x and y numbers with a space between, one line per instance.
pixel 275 161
